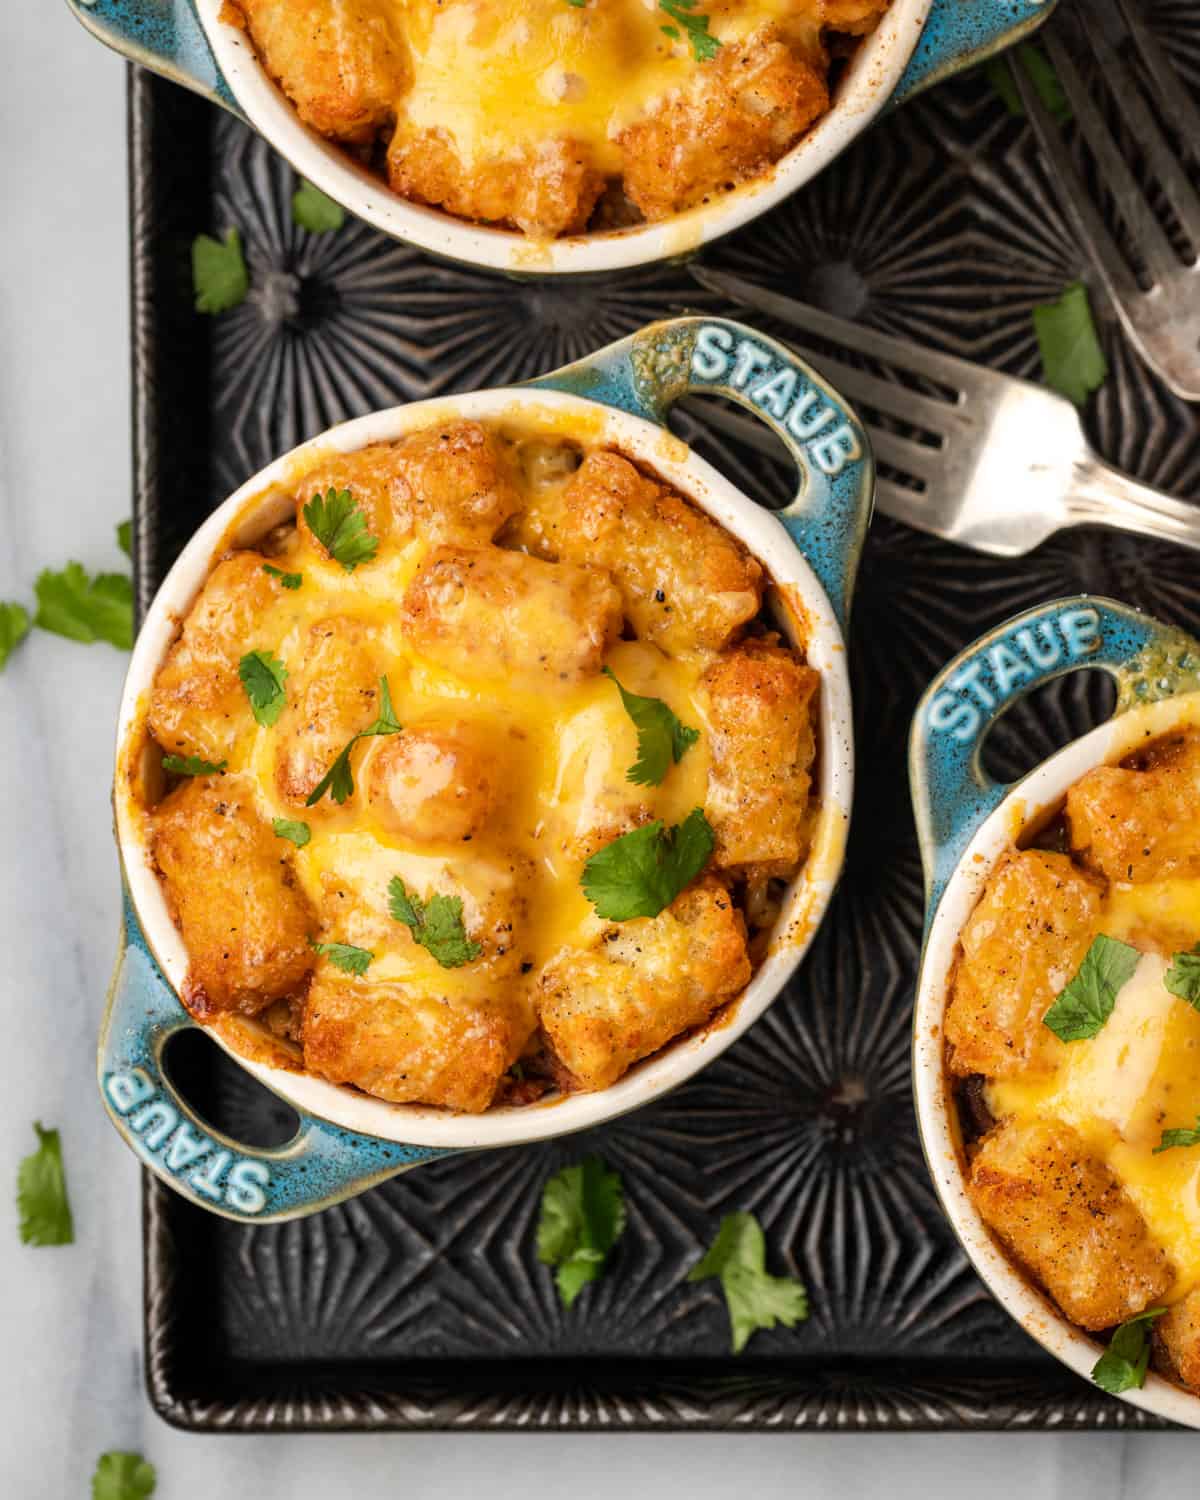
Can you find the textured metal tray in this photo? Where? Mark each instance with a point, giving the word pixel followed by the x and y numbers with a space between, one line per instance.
pixel 421 1304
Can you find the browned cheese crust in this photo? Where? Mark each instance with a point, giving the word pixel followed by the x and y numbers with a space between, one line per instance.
pixel 1022 945
pixel 332 693
pixel 684 581
pixel 643 983
pixel 1062 1213
pixel 450 481
pixel 487 612
pixel 339 61
pixel 761 738
pixel 740 114
pixel 544 192
pixel 1138 825
pixel 406 1045
pixel 198 706
pixel 229 882
pixel 1177 1340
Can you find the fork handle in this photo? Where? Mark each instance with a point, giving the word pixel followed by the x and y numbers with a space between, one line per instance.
pixel 1104 496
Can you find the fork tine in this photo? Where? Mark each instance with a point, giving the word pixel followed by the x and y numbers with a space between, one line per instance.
pixel 1177 101
pixel 943 369
pixel 1089 225
pixel 1132 206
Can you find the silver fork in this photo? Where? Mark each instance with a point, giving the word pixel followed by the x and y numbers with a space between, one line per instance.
pixel 1163 322
pixel 1005 464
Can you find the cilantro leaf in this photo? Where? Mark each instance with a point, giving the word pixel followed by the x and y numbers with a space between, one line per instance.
pixel 338 781
pixel 219 276
pixel 437 925
pixel 1179 1136
pixel 1040 71
pixel 641 873
pixel 14 627
pixel 1123 1365
pixel 42 1194
pixel 123 1476
pixel 263 677
pixel 84 608
pixel 341 528
pixel 293 830
pixel 192 765
pixel 287 580
pixel 314 210
pixel 345 956
pixel 1073 362
pixel 705 46
pixel 1087 1002
pixel 1182 979
pixel 755 1298
pixel 125 537
pixel 582 1218
pixel 662 738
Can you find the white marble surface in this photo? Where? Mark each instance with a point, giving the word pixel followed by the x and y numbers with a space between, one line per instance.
pixel 70 1375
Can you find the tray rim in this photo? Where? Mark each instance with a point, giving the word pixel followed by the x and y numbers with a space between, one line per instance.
pixel 759 1398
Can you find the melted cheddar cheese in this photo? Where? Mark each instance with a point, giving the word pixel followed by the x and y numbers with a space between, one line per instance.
pixel 506 75
pixel 1072 1174
pixel 525 112
pixel 495 616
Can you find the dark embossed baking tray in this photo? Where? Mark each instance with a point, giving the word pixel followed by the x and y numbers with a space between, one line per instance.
pixel 421 1304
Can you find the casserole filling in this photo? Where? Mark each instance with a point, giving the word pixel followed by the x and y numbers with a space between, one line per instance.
pixel 556 116
pixel 485 775
pixel 1073 1042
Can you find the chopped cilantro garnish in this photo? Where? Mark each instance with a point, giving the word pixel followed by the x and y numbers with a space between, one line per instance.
pixel 42 1203
pixel 345 956
pixel 755 1298
pixel 86 608
pixel 338 781
pixel 705 46
pixel 14 627
pixel 1087 1002
pixel 341 528
pixel 219 276
pixel 123 1476
pixel 263 676
pixel 292 829
pixel 1073 362
pixel 314 211
pixel 286 580
pixel 1182 979
pixel 192 765
pixel 641 873
pixel 437 925
pixel 662 738
pixel 583 1214
pixel 1123 1365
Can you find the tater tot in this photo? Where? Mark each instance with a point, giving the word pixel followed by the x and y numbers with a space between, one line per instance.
pixel 332 693
pixel 433 783
pixel 486 612
pixel 1021 946
pixel 230 885
pixel 1139 825
pixel 684 581
pixel 198 706
pixel 761 737
pixel 606 1007
pixel 1066 1218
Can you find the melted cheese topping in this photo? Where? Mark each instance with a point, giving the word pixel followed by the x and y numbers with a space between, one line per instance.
pixel 1139 1076
pixel 562 757
pixel 503 76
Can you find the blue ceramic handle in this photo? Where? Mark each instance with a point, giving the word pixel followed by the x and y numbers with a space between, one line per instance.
pixel 319 1166
pixel 960 33
pixel 163 35
pixel 166 35
pixel 952 794
pixel 648 372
